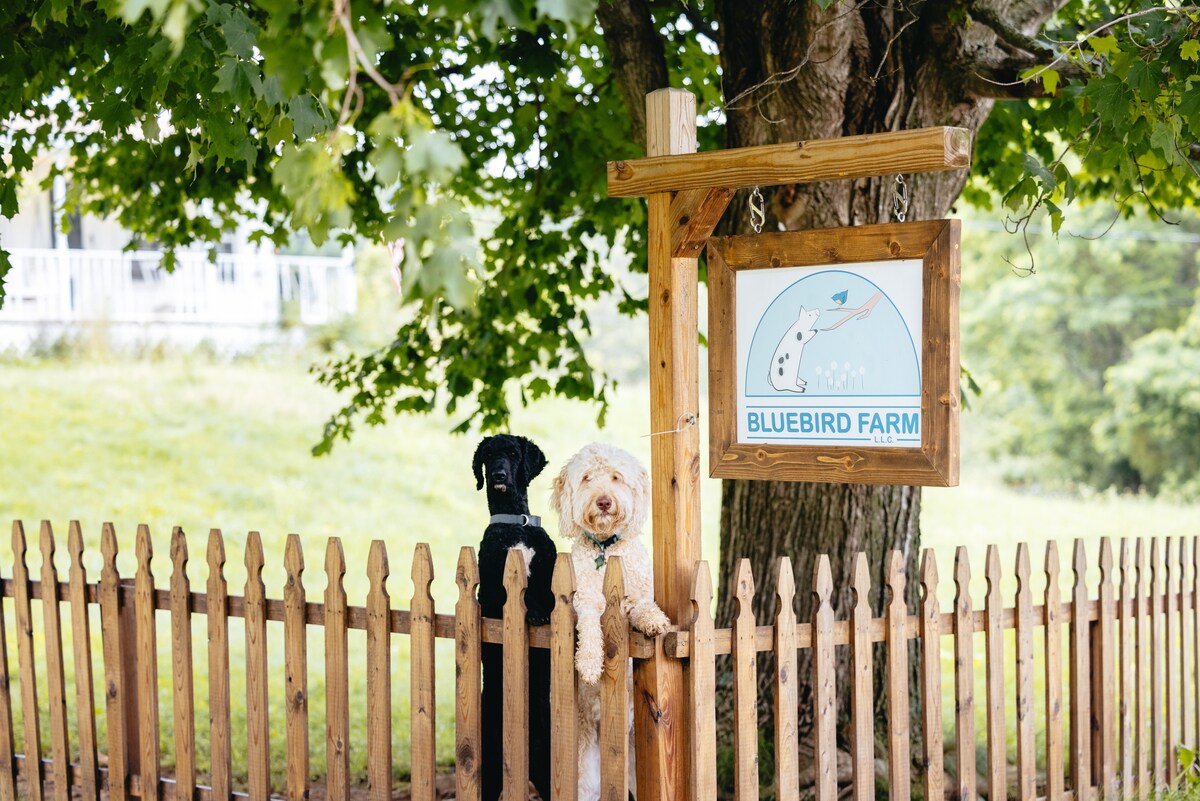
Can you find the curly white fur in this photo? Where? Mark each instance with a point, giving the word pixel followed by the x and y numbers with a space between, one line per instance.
pixel 604 491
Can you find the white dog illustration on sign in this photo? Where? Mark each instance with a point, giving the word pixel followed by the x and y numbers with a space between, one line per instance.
pixel 785 364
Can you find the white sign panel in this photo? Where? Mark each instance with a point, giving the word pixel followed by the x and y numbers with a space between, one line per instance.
pixel 830 354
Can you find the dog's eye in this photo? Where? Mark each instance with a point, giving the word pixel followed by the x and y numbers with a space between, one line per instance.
pixel 617 478
pixel 586 478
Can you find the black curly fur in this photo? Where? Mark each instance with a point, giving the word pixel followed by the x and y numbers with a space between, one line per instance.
pixel 506 464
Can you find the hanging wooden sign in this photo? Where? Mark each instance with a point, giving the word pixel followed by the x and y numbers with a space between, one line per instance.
pixel 834 355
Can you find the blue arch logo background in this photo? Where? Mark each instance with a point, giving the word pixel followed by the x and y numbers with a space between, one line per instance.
pixel 875 356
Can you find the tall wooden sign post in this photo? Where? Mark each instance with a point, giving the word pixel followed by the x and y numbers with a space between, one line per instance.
pixel 687 194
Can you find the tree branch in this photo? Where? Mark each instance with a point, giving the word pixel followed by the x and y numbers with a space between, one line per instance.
pixel 1006 31
pixel 1001 79
pixel 639 59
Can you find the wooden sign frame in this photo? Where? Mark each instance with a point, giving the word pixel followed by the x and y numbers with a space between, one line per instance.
pixel 936 461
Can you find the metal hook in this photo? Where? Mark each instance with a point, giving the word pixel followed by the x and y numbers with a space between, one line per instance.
pixel 900 198
pixel 758 213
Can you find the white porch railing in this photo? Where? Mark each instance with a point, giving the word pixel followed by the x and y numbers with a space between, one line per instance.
pixel 69 286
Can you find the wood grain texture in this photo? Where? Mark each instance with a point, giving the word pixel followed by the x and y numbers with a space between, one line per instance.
pixel 422 676
pixel 56 688
pixel 25 664
pixel 379 678
pixel 694 215
pixel 217 613
pixel 846 157
pixel 745 689
pixel 1141 676
pixel 468 679
pixel 8 777
pixel 1054 707
pixel 516 681
pixel 1125 709
pixel 81 651
pixel 183 697
pixel 899 733
pixel 1080 676
pixel 337 701
pixel 1187 686
pixel 1106 650
pixel 1195 676
pixel 114 679
pixel 862 700
pixel 931 680
pixel 1168 649
pixel 994 662
pixel 564 739
pixel 295 648
pixel 703 686
pixel 258 731
pixel 659 711
pixel 964 676
pixel 147 668
pixel 787 761
pixel 936 462
pixel 1158 770
pixel 824 676
pixel 1026 721
pixel 614 688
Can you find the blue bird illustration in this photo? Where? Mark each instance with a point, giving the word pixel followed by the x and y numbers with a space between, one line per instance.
pixel 840 298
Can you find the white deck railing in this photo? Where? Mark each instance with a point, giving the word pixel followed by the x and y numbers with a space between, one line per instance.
pixel 69 286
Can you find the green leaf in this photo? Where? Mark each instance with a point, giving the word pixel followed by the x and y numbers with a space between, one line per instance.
pixel 1104 45
pixel 1050 80
pixel 1190 50
pixel 1034 167
pixel 433 154
pixel 308 118
pixel 8 198
pixel 1165 141
pixel 570 11
pixel 195 156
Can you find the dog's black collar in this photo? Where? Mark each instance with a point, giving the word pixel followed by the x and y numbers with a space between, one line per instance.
pixel 518 520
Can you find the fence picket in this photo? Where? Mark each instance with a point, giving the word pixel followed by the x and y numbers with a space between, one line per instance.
pixel 468 683
pixel 295 646
pixel 218 669
pixel 115 688
pixel 1185 701
pixel 181 669
pixel 1141 678
pixel 702 674
pixel 516 682
pixel 56 688
pixel 147 668
pixel 81 650
pixel 258 731
pixel 931 680
pixel 1053 657
pixel 422 666
pixel 787 767
pixel 337 702
pixel 564 740
pixel 1125 707
pixel 994 661
pixel 825 705
pixel 28 678
pixel 1196 632
pixel 379 682
pixel 614 687
pixel 1026 737
pixel 1081 712
pixel 899 763
pixel 964 676
pixel 8 778
pixel 1106 648
pixel 745 689
pixel 862 702
pixel 1168 647
pixel 1157 732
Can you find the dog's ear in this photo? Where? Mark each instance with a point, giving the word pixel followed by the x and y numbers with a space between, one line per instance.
pixel 644 483
pixel 533 461
pixel 477 462
pixel 560 494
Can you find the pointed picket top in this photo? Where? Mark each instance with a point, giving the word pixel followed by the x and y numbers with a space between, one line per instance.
pixel 614 584
pixel 1183 560
pixel 822 580
pixel 18 541
pixel 1139 562
pixel 562 583
pixel 1168 553
pixel 515 582
pixel 75 546
pixel 108 550
pixel 145 549
pixel 46 544
pixel 1196 556
pixel 785 590
pixel 744 594
pixel 1106 559
pixel 861 584
pixel 179 552
pixel 897 581
pixel 929 574
pixel 702 592
pixel 991 571
pixel 1053 565
pixel 466 576
pixel 422 567
pixel 335 562
pixel 1126 568
pixel 216 554
pixel 962 578
pixel 1023 569
pixel 293 560
pixel 254 558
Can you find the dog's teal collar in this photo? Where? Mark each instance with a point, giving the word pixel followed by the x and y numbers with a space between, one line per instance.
pixel 518 520
pixel 603 546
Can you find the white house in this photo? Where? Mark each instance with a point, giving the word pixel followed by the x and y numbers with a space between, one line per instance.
pixel 245 297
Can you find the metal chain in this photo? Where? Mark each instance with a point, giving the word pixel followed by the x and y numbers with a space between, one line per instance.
pixel 900 198
pixel 758 213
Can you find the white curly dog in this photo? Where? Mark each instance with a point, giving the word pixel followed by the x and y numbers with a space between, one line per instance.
pixel 602 496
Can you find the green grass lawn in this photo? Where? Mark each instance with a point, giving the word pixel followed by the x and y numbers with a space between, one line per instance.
pixel 192 443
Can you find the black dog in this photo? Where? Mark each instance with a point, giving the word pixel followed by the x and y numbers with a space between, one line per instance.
pixel 507 464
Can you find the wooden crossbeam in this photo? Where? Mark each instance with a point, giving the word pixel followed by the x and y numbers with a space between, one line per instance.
pixel 847 157
pixel 694 215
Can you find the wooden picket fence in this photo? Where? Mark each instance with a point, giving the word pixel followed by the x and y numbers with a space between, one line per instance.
pixel 1131 688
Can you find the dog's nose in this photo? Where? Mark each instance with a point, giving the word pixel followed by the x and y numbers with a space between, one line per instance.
pixel 604 503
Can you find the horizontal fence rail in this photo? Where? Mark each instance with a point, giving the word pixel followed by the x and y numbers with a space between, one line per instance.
pixel 1101 676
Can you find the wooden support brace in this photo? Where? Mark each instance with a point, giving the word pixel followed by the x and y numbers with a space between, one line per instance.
pixel 694 215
